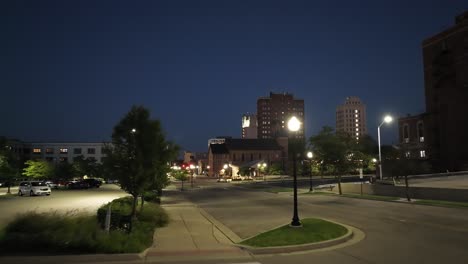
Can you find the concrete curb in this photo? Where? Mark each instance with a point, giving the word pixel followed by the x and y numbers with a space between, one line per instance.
pixel 221 227
pixel 303 247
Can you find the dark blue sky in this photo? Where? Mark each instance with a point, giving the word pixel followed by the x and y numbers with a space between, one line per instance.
pixel 71 69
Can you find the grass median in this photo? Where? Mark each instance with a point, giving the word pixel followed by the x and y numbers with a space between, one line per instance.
pixel 312 230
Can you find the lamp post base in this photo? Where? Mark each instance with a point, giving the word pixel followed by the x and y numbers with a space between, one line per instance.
pixel 295 223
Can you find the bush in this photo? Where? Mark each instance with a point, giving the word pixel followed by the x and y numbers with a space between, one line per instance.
pixel 153 214
pixel 152 197
pixel 120 213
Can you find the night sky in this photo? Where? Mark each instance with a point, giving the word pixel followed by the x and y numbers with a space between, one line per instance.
pixel 71 69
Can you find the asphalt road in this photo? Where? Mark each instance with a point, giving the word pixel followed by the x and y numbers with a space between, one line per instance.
pixel 62 201
pixel 395 232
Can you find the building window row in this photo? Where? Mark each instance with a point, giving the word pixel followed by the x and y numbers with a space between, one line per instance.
pixel 61 150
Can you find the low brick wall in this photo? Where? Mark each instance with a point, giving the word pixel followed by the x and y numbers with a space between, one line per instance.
pixel 456 195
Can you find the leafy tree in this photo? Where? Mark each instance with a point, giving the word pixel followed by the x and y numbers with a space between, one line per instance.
pixel 64 171
pixel 9 162
pixel 337 150
pixel 85 166
pixel 139 154
pixel 38 169
pixel 180 175
pixel 275 169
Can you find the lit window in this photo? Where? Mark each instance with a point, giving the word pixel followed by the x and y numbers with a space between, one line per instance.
pixel 357 134
pixel 422 153
pixel 36 150
pixel 356 111
pixel 357 129
pixel 408 154
pixel 356 116
pixel 357 120
pixel 357 125
pixel 421 139
pixel 49 151
pixel 282 121
pixel 63 150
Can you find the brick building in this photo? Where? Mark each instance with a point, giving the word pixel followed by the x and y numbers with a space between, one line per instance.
pixel 273 113
pixel 239 152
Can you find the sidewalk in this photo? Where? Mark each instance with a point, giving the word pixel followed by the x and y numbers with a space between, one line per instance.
pixel 191 234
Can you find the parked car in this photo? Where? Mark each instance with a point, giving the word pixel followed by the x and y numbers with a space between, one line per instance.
pixel 93 183
pixel 77 185
pixel 56 184
pixel 33 188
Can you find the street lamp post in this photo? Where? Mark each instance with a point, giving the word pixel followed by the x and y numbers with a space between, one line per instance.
pixel 294 125
pixel 191 174
pixel 387 119
pixel 310 155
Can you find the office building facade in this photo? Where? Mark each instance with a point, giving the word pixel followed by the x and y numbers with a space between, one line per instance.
pixel 249 126
pixel 273 113
pixel 351 117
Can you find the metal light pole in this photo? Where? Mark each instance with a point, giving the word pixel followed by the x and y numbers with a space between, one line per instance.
pixel 294 125
pixel 387 119
pixel 310 155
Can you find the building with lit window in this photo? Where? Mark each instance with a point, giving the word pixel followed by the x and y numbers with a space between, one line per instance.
pixel 413 136
pixel 351 117
pixel 445 122
pixel 237 152
pixel 273 113
pixel 445 61
pixel 249 126
pixel 59 151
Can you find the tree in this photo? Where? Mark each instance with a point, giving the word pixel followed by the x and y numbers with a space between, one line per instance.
pixel 9 162
pixel 139 154
pixel 38 169
pixel 64 171
pixel 85 166
pixel 180 175
pixel 336 150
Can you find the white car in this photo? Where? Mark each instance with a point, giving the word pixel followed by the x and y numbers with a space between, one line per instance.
pixel 33 188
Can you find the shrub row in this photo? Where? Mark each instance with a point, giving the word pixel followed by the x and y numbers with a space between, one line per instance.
pixel 71 233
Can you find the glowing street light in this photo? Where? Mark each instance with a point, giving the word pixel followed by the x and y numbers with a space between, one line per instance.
pixel 293 126
pixel 387 119
pixel 310 155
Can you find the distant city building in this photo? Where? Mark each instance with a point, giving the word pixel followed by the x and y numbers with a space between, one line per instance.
pixel 249 126
pixel 351 117
pixel 412 136
pixel 217 140
pixel 199 159
pixel 60 151
pixel 445 123
pixel 273 113
pixel 237 153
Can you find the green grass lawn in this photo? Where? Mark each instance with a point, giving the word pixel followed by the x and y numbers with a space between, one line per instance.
pixel 355 195
pixel 441 203
pixel 371 197
pixel 312 230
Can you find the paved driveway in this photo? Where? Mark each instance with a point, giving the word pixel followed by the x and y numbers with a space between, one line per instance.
pixel 395 232
pixel 86 201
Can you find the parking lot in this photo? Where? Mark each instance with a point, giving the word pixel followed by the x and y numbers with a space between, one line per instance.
pixel 61 201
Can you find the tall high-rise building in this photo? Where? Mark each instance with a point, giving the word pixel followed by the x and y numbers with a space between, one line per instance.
pixel 351 117
pixel 249 126
pixel 445 60
pixel 273 113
